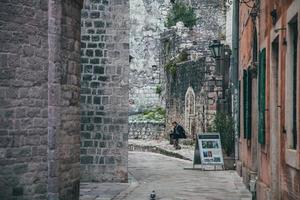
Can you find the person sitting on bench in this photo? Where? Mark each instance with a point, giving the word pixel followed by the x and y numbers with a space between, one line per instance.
pixel 178 132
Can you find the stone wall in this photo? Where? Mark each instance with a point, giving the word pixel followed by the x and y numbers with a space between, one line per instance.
pixel 188 74
pixel 146 130
pixel 211 14
pixel 39 99
pixel 147 19
pixel 199 68
pixel 104 90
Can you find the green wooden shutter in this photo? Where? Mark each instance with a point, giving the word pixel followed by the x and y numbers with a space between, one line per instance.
pixel 262 96
pixel 245 101
pixel 249 105
pixel 239 110
pixel 247 95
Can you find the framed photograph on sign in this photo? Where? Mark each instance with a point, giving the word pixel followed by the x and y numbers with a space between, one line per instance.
pixel 210 149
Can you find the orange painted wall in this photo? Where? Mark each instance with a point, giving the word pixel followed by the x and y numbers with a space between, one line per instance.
pixel 289 177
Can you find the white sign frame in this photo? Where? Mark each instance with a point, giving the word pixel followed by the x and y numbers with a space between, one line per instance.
pixel 210 149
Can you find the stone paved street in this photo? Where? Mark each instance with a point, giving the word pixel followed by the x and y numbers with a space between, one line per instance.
pixel 168 178
pixel 163 146
pixel 101 191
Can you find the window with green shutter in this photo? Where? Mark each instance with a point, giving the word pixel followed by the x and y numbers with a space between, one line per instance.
pixel 245 101
pixel 261 96
pixel 239 110
pixel 247 95
pixel 249 108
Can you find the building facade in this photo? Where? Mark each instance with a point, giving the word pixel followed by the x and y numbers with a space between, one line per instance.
pixel 269 153
pixel 60 108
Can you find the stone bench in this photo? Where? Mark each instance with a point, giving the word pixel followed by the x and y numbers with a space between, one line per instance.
pixel 187 141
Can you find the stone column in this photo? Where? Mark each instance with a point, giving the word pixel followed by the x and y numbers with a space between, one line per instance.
pixel 104 90
pixel 39 99
pixel 63 99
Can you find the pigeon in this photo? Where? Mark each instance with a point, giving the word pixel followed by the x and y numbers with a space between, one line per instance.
pixel 152 195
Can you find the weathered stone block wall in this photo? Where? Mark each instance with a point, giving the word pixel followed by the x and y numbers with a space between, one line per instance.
pixel 146 130
pixel 196 43
pixel 188 74
pixel 147 22
pixel 39 99
pixel 24 100
pixel 64 99
pixel 104 90
pixel 211 16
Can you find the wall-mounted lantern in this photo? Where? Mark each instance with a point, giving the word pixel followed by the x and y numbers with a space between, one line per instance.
pixel 216 49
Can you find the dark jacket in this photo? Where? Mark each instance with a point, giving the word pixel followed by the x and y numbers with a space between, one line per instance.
pixel 178 132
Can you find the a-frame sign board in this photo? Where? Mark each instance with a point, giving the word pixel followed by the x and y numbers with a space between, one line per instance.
pixel 208 151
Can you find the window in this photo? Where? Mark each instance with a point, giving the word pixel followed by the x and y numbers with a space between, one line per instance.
pixel 254 46
pixel 293 27
pixel 190 110
pixel 247 94
pixel 261 96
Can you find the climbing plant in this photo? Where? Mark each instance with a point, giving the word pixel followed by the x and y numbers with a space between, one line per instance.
pixel 171 66
pixel 158 89
pixel 181 12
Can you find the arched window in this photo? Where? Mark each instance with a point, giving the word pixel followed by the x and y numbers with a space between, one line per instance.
pixel 190 111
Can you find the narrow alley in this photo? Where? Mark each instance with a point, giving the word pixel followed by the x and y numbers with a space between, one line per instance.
pixel 171 179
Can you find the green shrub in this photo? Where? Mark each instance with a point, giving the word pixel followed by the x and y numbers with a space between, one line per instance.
pixel 158 89
pixel 157 114
pixel 224 124
pixel 183 13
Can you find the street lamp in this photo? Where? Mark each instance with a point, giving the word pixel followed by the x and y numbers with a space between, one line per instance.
pixel 216 49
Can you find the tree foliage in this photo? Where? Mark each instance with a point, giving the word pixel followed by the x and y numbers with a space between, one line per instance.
pixel 183 13
pixel 224 124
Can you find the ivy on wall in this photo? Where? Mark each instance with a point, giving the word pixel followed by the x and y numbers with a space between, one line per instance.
pixel 158 89
pixel 171 66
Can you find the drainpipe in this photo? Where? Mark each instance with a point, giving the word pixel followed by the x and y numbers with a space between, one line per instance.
pixel 234 73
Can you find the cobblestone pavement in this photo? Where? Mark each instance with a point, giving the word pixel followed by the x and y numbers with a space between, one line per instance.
pixel 168 178
pixel 101 191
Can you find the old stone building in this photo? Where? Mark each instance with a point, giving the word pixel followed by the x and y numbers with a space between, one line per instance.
pixel 269 76
pixel 40 114
pixel 193 84
pixel 40 119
